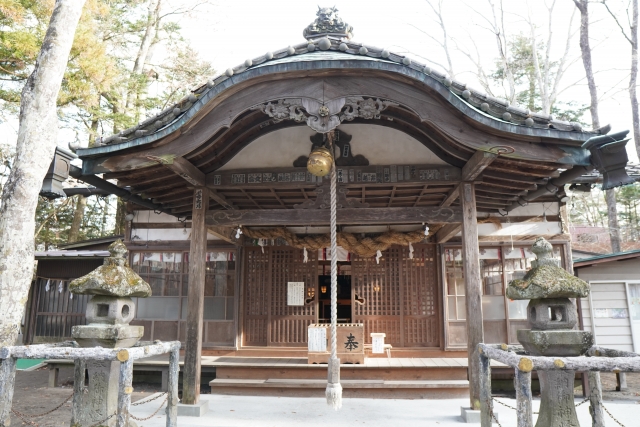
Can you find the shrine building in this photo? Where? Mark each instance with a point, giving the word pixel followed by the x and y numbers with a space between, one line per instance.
pixel 442 189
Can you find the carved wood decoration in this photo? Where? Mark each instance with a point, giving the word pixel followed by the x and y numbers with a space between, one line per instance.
pixel 323 199
pixel 268 319
pixel 326 116
pixel 398 296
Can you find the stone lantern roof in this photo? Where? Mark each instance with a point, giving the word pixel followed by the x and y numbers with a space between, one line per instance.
pixel 547 279
pixel 114 278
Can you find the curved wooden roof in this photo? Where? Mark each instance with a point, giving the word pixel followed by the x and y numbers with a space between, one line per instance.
pixel 219 119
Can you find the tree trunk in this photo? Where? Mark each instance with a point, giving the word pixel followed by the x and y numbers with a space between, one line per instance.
pixel 585 48
pixel 612 215
pixel 120 214
pixel 150 33
pixel 78 216
pixel 633 95
pixel 38 117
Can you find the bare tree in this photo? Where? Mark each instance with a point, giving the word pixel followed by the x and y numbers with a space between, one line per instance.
pixel 547 80
pixel 38 117
pixel 632 37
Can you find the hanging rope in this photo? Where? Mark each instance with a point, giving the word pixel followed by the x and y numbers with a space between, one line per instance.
pixel 334 389
pixel 365 247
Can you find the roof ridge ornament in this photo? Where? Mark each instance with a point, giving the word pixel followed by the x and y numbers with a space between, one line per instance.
pixel 328 24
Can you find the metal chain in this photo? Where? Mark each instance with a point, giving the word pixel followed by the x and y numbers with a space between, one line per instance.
pixel 586 399
pixel 152 415
pixel 491 412
pixel 614 418
pixel 149 400
pixel 102 421
pixel 21 415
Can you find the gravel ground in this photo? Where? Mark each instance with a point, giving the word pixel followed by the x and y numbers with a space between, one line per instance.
pixel 32 396
pixel 609 392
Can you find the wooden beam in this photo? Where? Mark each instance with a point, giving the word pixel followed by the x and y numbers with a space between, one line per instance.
pixel 223 233
pixel 451 197
pixel 186 170
pixel 471 170
pixel 476 164
pixel 221 200
pixel 362 175
pixel 447 232
pixel 473 287
pixel 303 217
pixel 195 299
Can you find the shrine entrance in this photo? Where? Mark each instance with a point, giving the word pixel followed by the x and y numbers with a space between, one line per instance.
pixel 399 296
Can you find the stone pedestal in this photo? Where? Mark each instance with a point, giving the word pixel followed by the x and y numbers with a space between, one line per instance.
pixel 557 407
pixel 101 398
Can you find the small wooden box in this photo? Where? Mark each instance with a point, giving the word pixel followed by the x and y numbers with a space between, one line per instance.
pixel 350 344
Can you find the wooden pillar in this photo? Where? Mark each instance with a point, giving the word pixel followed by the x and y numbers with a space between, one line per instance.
pixel 239 293
pixel 484 377
pixel 473 287
pixel 172 400
pixel 124 393
pixel 595 397
pixel 522 383
pixel 7 382
pixel 79 378
pixel 195 299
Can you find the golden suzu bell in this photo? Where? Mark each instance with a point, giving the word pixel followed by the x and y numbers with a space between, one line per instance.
pixel 320 161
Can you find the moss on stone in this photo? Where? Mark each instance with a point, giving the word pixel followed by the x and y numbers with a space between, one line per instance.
pixel 114 278
pixel 547 281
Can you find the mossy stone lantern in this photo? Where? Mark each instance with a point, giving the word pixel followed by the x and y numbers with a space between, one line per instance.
pixel 108 314
pixel 552 315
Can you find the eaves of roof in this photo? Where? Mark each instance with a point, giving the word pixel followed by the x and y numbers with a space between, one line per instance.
pixel 482 108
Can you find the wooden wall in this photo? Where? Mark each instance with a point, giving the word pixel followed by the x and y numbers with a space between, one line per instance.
pixel 608 296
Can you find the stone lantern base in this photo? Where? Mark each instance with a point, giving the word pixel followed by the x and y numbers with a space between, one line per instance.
pixel 107 336
pixel 555 343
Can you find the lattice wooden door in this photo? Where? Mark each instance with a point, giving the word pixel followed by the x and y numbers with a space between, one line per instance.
pixel 256 296
pixel 398 296
pixel 268 318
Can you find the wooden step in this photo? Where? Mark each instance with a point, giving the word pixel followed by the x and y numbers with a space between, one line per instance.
pixel 306 383
pixel 370 388
pixel 348 372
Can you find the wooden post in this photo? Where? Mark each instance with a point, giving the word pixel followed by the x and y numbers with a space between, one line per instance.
pixel 54 371
pixel 79 377
pixel 7 382
pixel 195 299
pixel 522 382
pixel 484 377
pixel 172 399
pixel 239 293
pixel 595 400
pixel 473 287
pixel 124 393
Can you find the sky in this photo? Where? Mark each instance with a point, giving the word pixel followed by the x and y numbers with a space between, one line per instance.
pixel 227 32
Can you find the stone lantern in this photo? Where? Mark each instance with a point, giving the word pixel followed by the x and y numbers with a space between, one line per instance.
pixel 108 314
pixel 552 316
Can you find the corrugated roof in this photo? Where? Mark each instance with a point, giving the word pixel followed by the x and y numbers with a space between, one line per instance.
pixel 583 262
pixel 71 254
